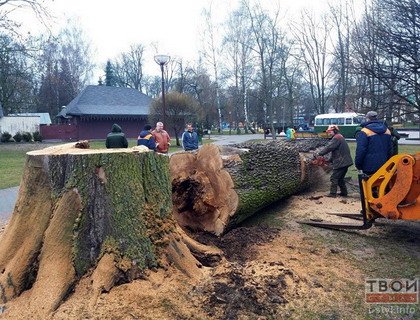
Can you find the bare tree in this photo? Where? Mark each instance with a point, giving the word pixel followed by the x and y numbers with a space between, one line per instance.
pixel 128 68
pixel 16 77
pixel 340 16
pixel 75 48
pixel 313 36
pixel 387 45
pixel 399 38
pixel 64 66
pixel 203 89
pixel 8 7
pixel 180 108
pixel 238 44
pixel 211 54
pixel 269 48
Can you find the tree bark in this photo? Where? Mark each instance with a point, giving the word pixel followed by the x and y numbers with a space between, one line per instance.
pixel 99 213
pixel 217 187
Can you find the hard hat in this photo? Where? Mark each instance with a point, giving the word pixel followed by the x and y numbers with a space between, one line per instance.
pixel 331 128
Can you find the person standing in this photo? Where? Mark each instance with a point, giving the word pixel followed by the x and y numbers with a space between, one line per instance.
pixel 116 138
pixel 189 138
pixel 290 134
pixel 145 138
pixel 341 160
pixel 374 144
pixel 395 136
pixel 162 139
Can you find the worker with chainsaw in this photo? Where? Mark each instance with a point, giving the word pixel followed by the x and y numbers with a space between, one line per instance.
pixel 374 144
pixel 341 160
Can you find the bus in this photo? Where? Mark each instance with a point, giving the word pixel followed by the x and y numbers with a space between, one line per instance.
pixel 347 122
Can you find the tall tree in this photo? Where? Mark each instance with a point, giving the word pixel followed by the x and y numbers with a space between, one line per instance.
pixel 212 56
pixel 128 68
pixel 313 38
pixel 7 7
pixel 65 67
pixel 16 77
pixel 75 49
pixel 238 44
pixel 269 48
pixel 399 38
pixel 179 109
pixel 340 15
pixel 110 79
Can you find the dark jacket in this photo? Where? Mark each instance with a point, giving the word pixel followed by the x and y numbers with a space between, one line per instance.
pixel 395 136
pixel 190 140
pixel 374 146
pixel 340 152
pixel 116 139
pixel 146 139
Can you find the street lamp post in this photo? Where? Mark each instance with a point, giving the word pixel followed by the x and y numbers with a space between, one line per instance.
pixel 163 60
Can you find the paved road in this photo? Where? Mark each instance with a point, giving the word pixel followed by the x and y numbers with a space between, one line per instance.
pixel 7 202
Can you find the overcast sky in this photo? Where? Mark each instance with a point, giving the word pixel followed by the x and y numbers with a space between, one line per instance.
pixel 173 26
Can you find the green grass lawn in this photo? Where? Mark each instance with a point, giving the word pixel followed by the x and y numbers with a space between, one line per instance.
pixel 11 167
pixel 13 155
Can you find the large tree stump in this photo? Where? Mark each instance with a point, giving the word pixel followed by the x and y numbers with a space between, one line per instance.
pixel 217 187
pixel 80 212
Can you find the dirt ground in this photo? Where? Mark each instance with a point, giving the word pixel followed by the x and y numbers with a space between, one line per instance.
pixel 274 268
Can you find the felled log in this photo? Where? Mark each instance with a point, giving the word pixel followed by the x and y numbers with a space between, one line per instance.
pixel 217 187
pixel 80 212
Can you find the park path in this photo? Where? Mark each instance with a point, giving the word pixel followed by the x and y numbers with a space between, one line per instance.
pixel 7 202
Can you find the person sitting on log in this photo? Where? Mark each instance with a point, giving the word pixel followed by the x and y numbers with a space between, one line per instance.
pixel 145 138
pixel 116 138
pixel 341 160
pixel 189 138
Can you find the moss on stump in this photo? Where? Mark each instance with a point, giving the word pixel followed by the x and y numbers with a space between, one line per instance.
pixel 82 212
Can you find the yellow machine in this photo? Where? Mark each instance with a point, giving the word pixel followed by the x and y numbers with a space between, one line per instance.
pixel 393 192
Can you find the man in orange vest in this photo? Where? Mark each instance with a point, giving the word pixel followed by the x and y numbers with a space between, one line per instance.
pixel 374 144
pixel 145 138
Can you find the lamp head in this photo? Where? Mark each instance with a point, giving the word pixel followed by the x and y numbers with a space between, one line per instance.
pixel 162 59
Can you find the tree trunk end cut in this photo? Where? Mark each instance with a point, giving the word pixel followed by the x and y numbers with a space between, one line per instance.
pixel 217 187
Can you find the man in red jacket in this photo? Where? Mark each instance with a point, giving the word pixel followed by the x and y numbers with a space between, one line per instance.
pixel 163 141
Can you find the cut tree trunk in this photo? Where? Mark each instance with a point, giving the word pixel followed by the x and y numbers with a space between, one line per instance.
pixel 81 212
pixel 217 187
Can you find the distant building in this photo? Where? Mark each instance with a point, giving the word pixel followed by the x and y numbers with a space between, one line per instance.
pixel 44 117
pixel 93 112
pixel 22 122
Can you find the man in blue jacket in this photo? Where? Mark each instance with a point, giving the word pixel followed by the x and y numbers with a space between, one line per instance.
pixel 374 145
pixel 145 138
pixel 189 139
